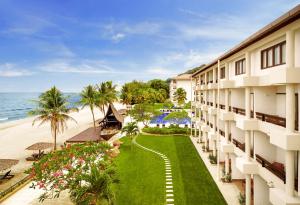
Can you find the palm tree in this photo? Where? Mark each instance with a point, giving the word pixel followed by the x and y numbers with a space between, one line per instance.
pixel 98 186
pixel 107 94
pixel 89 98
pixel 53 107
pixel 180 96
pixel 131 129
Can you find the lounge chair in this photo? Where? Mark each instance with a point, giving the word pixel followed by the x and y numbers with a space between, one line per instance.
pixel 7 175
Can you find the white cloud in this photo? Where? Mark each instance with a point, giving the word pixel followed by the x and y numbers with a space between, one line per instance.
pixel 160 71
pixel 11 70
pixel 117 31
pixel 117 37
pixel 79 66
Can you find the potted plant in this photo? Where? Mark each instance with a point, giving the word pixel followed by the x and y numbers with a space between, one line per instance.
pixel 242 199
pixel 212 159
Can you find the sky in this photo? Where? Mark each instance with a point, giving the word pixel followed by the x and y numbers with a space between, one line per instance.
pixel 71 44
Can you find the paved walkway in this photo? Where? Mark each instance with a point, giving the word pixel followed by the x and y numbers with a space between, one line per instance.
pixel 229 191
pixel 169 178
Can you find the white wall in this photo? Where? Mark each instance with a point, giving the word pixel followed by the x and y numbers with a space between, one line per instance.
pixel 261 191
pixel 235 173
pixel 186 85
pixel 268 151
pixel 238 98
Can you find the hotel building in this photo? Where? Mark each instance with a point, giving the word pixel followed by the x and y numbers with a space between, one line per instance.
pixel 246 105
pixel 181 81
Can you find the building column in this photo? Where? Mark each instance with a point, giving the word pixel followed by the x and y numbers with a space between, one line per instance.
pixel 290 49
pixel 290 127
pixel 227 157
pixel 248 144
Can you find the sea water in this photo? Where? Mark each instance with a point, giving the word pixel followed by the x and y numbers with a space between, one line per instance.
pixel 14 106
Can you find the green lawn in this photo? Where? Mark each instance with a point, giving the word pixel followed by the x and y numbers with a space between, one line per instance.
pixel 142 173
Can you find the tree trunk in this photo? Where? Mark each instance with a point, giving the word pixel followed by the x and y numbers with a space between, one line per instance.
pixel 55 132
pixel 93 118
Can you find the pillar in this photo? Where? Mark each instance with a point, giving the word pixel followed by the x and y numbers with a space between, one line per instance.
pixel 290 127
pixel 248 189
pixel 290 49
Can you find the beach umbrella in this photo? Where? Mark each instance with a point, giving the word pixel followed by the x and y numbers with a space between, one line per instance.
pixel 40 146
pixel 7 163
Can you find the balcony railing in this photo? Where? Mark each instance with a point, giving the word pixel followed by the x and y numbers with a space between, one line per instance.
pixel 275 167
pixel 222 133
pixel 274 119
pixel 239 145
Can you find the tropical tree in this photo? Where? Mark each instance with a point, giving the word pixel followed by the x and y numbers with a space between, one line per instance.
pixel 89 98
pixel 86 170
pixel 144 113
pixel 180 96
pixel 176 117
pixel 168 104
pixel 53 107
pixel 131 129
pixel 137 92
pixel 107 94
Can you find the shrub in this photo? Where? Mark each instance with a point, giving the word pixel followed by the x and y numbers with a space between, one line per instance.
pixel 212 159
pixel 173 129
pixel 242 199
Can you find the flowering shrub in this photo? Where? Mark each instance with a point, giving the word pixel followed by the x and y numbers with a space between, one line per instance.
pixel 86 170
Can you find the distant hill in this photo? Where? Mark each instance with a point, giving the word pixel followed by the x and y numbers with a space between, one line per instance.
pixel 193 70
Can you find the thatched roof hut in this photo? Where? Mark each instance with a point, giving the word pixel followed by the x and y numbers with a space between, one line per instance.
pixel 7 163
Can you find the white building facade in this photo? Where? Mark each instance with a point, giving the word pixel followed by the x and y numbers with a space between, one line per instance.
pixel 181 81
pixel 246 106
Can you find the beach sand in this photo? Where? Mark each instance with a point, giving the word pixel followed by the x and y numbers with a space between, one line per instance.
pixel 17 135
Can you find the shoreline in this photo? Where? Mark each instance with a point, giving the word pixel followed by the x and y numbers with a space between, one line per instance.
pixel 17 135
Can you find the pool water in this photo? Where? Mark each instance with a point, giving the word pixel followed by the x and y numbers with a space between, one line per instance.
pixel 160 120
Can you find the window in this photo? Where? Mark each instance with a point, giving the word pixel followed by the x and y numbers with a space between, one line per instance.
pixel 273 56
pixel 240 67
pixel 222 73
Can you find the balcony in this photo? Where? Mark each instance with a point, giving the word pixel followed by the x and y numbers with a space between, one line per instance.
pixel 245 166
pixel 203 87
pixel 226 116
pixel 212 85
pixel 246 81
pixel 226 147
pixel 275 167
pixel 281 76
pixel 226 84
pixel 204 107
pixel 212 111
pixel 205 128
pixel 278 197
pixel 212 135
pixel 274 119
pixel 239 145
pixel 246 124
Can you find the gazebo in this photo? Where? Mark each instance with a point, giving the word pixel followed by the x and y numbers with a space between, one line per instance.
pixel 112 119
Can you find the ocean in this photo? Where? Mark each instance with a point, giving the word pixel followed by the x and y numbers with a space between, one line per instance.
pixel 14 106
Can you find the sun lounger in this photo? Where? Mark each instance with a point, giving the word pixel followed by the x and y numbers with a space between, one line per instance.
pixel 7 175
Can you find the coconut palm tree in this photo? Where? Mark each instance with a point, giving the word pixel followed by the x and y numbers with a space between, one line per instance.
pixel 180 96
pixel 53 107
pixel 89 98
pixel 107 94
pixel 131 129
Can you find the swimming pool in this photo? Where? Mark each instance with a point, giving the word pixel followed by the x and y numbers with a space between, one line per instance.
pixel 160 120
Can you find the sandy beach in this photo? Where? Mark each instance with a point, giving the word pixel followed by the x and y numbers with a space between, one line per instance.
pixel 16 136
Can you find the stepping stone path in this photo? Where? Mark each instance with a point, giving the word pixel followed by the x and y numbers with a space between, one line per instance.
pixel 168 170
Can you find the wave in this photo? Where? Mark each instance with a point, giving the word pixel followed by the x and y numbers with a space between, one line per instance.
pixel 4 119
